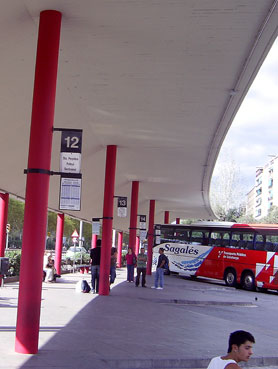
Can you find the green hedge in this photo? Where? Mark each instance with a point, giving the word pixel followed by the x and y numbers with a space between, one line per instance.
pixel 14 262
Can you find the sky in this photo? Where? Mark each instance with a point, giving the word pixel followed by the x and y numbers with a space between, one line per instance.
pixel 253 135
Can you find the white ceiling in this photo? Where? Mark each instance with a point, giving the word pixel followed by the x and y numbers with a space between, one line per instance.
pixel 154 77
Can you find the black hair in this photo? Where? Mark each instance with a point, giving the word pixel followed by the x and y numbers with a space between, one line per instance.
pixel 161 249
pixel 238 338
pixel 99 242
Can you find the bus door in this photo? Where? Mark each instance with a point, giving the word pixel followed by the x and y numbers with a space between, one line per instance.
pixel 214 264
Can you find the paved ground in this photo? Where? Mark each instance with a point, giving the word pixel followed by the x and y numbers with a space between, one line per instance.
pixel 181 326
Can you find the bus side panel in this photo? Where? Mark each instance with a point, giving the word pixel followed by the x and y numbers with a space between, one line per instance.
pixel 266 269
pixel 183 259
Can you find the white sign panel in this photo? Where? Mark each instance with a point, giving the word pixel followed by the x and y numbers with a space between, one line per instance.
pixel 96 228
pixel 70 162
pixel 122 212
pixel 70 193
pixel 122 207
pixel 142 234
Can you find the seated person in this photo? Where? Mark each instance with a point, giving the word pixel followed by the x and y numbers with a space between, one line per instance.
pixel 49 269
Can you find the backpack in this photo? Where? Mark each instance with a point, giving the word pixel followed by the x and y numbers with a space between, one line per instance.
pixel 166 264
pixel 85 288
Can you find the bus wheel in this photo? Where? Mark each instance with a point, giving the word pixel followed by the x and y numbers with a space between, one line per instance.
pixel 230 278
pixel 248 281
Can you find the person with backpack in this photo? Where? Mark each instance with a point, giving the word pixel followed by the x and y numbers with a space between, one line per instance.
pixel 159 274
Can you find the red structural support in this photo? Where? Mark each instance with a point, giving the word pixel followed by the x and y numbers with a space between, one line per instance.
pixel 166 217
pixel 37 186
pixel 137 245
pixel 94 241
pixel 59 241
pixel 120 245
pixel 107 221
pixel 177 220
pixel 4 205
pixel 133 215
pixel 150 236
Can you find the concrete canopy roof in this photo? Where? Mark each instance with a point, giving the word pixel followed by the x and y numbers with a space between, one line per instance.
pixel 160 79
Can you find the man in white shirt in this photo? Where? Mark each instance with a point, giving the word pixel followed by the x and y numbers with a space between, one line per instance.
pixel 240 349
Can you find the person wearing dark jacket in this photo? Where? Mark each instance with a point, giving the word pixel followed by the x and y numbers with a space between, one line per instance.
pixel 159 274
pixel 95 266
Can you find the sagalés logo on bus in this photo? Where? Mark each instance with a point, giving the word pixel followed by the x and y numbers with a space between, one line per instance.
pixel 181 250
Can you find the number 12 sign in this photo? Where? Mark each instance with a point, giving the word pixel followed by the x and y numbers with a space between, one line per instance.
pixel 71 145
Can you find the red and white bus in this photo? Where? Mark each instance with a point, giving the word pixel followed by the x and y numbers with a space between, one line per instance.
pixel 240 254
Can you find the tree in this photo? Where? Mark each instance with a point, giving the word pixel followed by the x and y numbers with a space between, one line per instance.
pixel 272 216
pixel 226 194
pixel 16 216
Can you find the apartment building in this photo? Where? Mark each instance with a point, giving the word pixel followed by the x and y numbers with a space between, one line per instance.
pixel 265 192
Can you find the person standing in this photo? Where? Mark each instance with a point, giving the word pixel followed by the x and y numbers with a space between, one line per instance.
pixel 159 274
pixel 130 264
pixel 240 349
pixel 95 265
pixel 113 264
pixel 141 267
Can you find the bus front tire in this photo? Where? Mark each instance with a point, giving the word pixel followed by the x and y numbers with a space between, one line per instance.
pixel 248 281
pixel 230 278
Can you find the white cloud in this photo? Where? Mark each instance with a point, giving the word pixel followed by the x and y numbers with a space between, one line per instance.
pixel 254 133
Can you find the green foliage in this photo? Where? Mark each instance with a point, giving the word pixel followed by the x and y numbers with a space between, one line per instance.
pixel 15 216
pixel 272 217
pixel 14 262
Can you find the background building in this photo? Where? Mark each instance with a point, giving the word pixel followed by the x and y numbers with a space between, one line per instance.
pixel 264 195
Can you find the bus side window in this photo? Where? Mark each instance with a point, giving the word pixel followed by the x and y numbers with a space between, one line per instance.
pixel 250 245
pixel 269 246
pixel 242 244
pixel 259 246
pixel 234 243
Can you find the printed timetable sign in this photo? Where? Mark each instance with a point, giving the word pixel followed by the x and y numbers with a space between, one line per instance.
pixel 70 193
pixel 122 207
pixel 96 226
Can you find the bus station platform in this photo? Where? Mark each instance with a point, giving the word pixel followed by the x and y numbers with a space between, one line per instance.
pixel 181 326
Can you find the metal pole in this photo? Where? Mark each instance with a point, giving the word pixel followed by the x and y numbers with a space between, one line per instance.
pixel 107 222
pixel 120 245
pixel 133 215
pixel 37 185
pixel 59 241
pixel 150 236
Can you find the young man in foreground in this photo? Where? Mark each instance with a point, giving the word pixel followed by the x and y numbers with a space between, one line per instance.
pixel 240 349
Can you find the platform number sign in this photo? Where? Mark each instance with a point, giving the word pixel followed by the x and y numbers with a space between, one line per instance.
pixel 71 141
pixel 70 156
pixel 122 207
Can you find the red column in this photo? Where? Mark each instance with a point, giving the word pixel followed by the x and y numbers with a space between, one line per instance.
pixel 133 215
pixel 120 245
pixel 4 205
pixel 177 220
pixel 37 185
pixel 166 217
pixel 107 222
pixel 59 241
pixel 94 241
pixel 150 237
pixel 137 245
